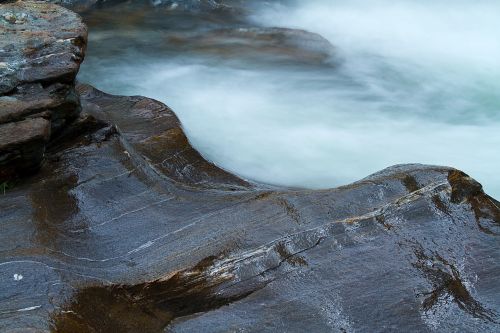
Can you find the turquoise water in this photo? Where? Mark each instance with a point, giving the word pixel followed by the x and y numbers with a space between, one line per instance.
pixel 414 82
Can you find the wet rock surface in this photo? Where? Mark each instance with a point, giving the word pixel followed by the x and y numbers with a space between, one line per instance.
pixel 226 36
pixel 127 228
pixel 23 145
pixel 41 48
pixel 40 43
pixel 173 5
pixel 258 44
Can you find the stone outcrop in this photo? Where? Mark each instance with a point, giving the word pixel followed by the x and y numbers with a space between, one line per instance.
pixel 127 228
pixel 266 45
pixel 80 6
pixel 184 5
pixel 22 145
pixel 41 48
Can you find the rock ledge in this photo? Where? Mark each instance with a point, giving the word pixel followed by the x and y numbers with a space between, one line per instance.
pixel 41 47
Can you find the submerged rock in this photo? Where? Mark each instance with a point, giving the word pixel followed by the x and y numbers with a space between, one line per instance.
pixel 160 137
pixel 41 48
pixel 131 230
pixel 191 5
pixel 180 5
pixel 36 48
pixel 210 37
pixel 272 45
pixel 22 145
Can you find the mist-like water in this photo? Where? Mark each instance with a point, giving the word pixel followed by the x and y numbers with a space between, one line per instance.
pixel 415 82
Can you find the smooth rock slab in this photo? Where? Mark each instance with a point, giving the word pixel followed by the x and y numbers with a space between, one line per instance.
pixel 184 5
pixel 109 240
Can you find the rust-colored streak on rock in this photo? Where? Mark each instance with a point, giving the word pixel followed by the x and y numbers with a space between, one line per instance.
pixel 145 307
pixel 463 187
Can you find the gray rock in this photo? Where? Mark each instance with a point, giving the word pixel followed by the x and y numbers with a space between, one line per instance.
pixel 131 230
pixel 191 5
pixel 260 44
pixel 185 5
pixel 35 48
pixel 57 102
pixel 41 48
pixel 22 146
pixel 126 228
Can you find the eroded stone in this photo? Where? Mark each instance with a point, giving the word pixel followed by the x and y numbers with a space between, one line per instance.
pixel 48 45
pixel 135 246
pixel 22 145
pixel 41 48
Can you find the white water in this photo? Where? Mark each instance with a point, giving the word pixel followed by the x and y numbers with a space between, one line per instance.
pixel 419 82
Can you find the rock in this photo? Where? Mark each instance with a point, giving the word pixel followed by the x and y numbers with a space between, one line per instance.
pixel 42 46
pixel 184 5
pixel 80 6
pixel 192 5
pixel 22 145
pixel 258 44
pixel 127 228
pixel 158 136
pixel 58 102
pixel 131 230
pixel 37 49
pixel 216 36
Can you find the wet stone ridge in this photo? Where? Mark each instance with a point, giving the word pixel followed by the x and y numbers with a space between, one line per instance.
pixel 126 228
pixel 41 48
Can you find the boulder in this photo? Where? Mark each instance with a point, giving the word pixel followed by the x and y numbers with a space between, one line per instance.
pixel 22 146
pixel 42 46
pixel 80 6
pixel 40 42
pixel 266 45
pixel 127 228
pixel 57 102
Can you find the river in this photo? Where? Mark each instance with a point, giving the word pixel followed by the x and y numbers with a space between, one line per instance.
pixel 406 82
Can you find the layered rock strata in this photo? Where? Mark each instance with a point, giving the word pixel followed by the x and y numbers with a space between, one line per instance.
pixel 41 48
pixel 128 229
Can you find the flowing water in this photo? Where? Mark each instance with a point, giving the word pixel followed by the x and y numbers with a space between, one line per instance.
pixel 407 82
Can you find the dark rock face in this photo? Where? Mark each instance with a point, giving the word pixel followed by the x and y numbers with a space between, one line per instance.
pixel 181 5
pixel 217 35
pixel 128 229
pixel 23 145
pixel 42 46
pixel 57 102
